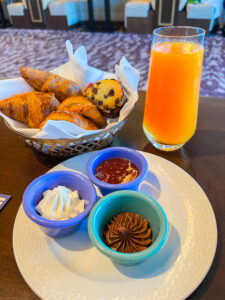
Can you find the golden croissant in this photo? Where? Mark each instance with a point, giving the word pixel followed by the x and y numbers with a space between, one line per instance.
pixel 44 81
pixel 74 118
pixel 84 107
pixel 30 108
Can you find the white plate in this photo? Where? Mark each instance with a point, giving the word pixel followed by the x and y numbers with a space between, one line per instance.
pixel 71 268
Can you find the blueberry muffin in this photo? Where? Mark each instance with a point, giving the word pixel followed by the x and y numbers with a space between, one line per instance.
pixel 107 95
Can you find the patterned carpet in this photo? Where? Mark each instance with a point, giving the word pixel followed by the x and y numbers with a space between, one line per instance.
pixel 45 49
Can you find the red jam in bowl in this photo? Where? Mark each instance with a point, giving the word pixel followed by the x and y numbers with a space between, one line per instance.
pixel 116 171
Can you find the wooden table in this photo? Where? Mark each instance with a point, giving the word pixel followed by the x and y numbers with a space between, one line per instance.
pixel 203 157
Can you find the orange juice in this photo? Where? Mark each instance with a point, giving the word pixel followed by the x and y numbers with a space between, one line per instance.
pixel 171 104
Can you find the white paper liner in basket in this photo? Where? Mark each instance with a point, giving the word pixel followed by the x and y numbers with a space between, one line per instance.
pixel 78 70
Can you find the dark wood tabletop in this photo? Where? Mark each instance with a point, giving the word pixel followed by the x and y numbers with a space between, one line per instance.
pixel 203 157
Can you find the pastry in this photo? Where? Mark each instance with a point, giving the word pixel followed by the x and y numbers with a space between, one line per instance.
pixel 30 108
pixel 84 107
pixel 128 232
pixel 107 95
pixel 44 81
pixel 74 118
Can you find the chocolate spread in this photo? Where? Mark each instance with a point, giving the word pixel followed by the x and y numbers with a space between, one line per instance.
pixel 128 233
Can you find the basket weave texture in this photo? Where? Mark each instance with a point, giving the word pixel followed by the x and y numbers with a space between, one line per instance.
pixel 72 147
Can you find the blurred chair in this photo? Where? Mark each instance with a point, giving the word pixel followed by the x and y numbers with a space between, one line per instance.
pixel 116 10
pixel 28 13
pixel 4 16
pixel 62 14
pixel 37 10
pixel 137 10
pixel 19 14
pixel 140 19
pixel 115 20
pixel 143 16
pixel 206 10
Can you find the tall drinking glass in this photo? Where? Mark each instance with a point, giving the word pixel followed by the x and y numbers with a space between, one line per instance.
pixel 171 104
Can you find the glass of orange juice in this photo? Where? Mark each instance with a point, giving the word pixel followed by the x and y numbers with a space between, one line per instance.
pixel 171 104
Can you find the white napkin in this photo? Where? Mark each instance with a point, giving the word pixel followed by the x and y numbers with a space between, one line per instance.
pixel 78 70
pixel 83 73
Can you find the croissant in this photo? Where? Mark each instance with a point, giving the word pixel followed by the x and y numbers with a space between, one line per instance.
pixel 84 107
pixel 44 81
pixel 74 118
pixel 30 108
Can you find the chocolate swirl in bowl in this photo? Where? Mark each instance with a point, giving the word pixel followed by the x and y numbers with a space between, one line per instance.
pixel 128 233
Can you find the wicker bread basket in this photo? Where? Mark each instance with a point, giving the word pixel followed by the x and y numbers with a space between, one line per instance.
pixel 72 147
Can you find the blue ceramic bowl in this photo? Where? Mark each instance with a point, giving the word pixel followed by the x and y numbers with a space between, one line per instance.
pixel 121 202
pixel 72 180
pixel 114 152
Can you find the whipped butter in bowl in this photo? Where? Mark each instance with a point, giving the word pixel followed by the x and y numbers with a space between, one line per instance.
pixel 59 201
